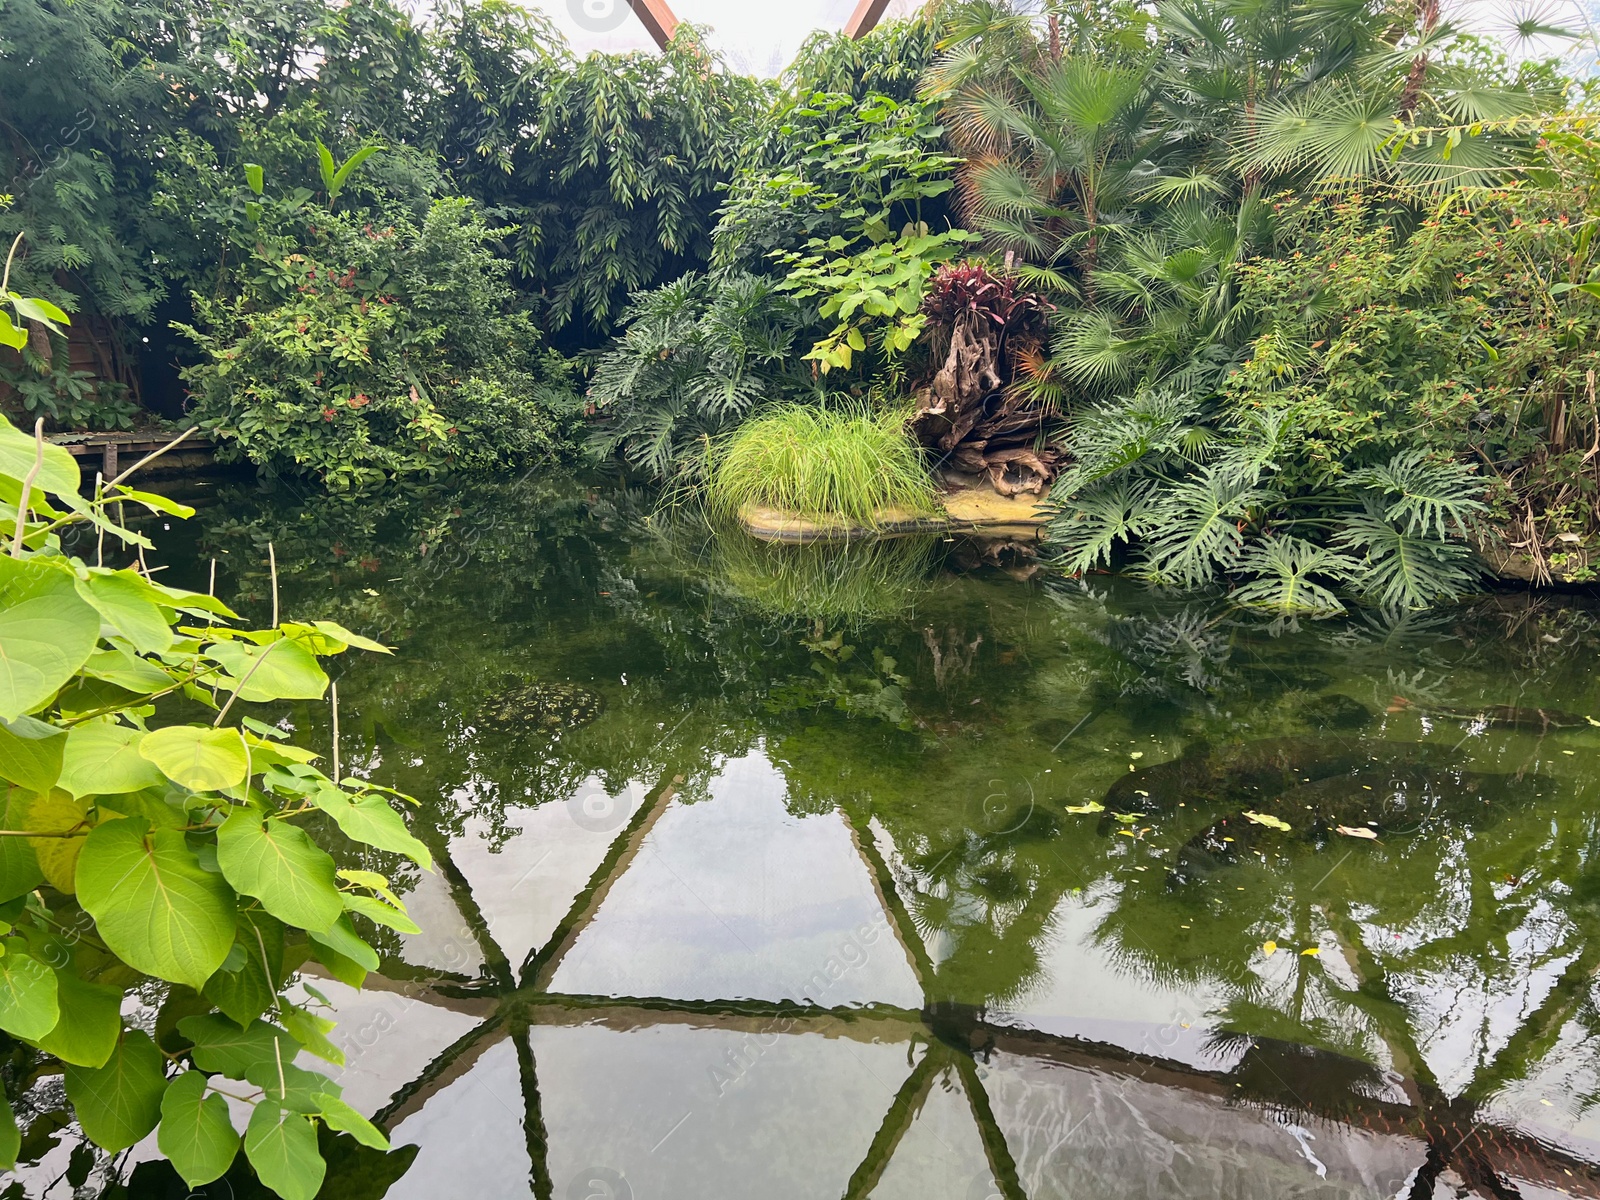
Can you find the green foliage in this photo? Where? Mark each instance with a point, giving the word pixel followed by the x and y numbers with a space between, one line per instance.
pixel 608 168
pixel 697 357
pixel 1206 496
pixel 889 61
pixel 355 352
pixel 875 295
pixel 183 844
pixel 833 166
pixel 822 463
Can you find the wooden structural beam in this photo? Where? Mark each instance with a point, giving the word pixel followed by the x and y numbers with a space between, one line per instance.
pixel 658 18
pixel 866 17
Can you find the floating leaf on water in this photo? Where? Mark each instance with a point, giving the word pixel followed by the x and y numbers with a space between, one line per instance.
pixel 1356 832
pixel 1084 809
pixel 1269 821
pixel 1137 754
pixel 1592 721
pixel 1313 952
pixel 1269 948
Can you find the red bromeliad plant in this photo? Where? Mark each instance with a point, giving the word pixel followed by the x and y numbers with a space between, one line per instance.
pixel 971 291
pixel 968 411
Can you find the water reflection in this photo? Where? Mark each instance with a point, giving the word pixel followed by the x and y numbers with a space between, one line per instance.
pixel 803 907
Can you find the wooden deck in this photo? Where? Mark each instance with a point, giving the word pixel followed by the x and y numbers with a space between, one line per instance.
pixel 112 453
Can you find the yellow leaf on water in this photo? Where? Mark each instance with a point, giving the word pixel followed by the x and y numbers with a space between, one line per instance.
pixel 1269 948
pixel 1357 831
pixel 1137 754
pixel 1592 721
pixel 1269 821
pixel 1311 953
pixel 1090 807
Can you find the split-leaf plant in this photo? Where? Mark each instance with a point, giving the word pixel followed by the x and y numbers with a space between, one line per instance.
pixel 143 851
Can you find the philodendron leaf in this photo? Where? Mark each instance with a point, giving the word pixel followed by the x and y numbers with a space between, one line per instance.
pixel 282 1146
pixel 154 905
pixel 196 1133
pixel 103 759
pixel 30 753
pixel 223 1048
pixel 372 821
pixel 46 634
pixel 28 1004
pixel 280 866
pixel 91 1022
pixel 280 670
pixel 119 1103
pixel 202 760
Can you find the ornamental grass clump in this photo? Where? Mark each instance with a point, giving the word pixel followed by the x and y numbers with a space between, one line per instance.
pixel 826 464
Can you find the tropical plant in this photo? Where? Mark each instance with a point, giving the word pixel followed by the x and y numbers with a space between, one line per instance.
pixel 889 61
pixel 874 295
pixel 697 357
pixel 143 855
pixel 829 464
pixel 609 169
pixel 354 350
pixel 1205 497
pixel 833 166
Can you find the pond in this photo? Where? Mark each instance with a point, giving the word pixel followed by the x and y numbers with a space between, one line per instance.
pixel 903 871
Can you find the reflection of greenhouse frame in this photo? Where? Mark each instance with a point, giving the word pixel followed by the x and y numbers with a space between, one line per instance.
pixel 508 1003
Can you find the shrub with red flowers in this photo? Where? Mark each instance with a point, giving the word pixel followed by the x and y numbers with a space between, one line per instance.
pixel 355 351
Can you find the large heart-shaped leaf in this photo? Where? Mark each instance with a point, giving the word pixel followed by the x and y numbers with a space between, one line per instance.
pixel 54 813
pixel 372 821
pixel 30 753
pixel 130 604
pixel 91 1022
pixel 339 1115
pixel 154 905
pixel 103 759
pixel 119 1103
pixel 19 866
pixel 46 634
pixel 222 1047
pixel 202 760
pixel 282 1146
pixel 280 670
pixel 196 1133
pixel 279 865
pixel 18 452
pixel 28 1004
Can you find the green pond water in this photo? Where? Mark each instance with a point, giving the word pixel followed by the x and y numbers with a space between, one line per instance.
pixel 759 875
